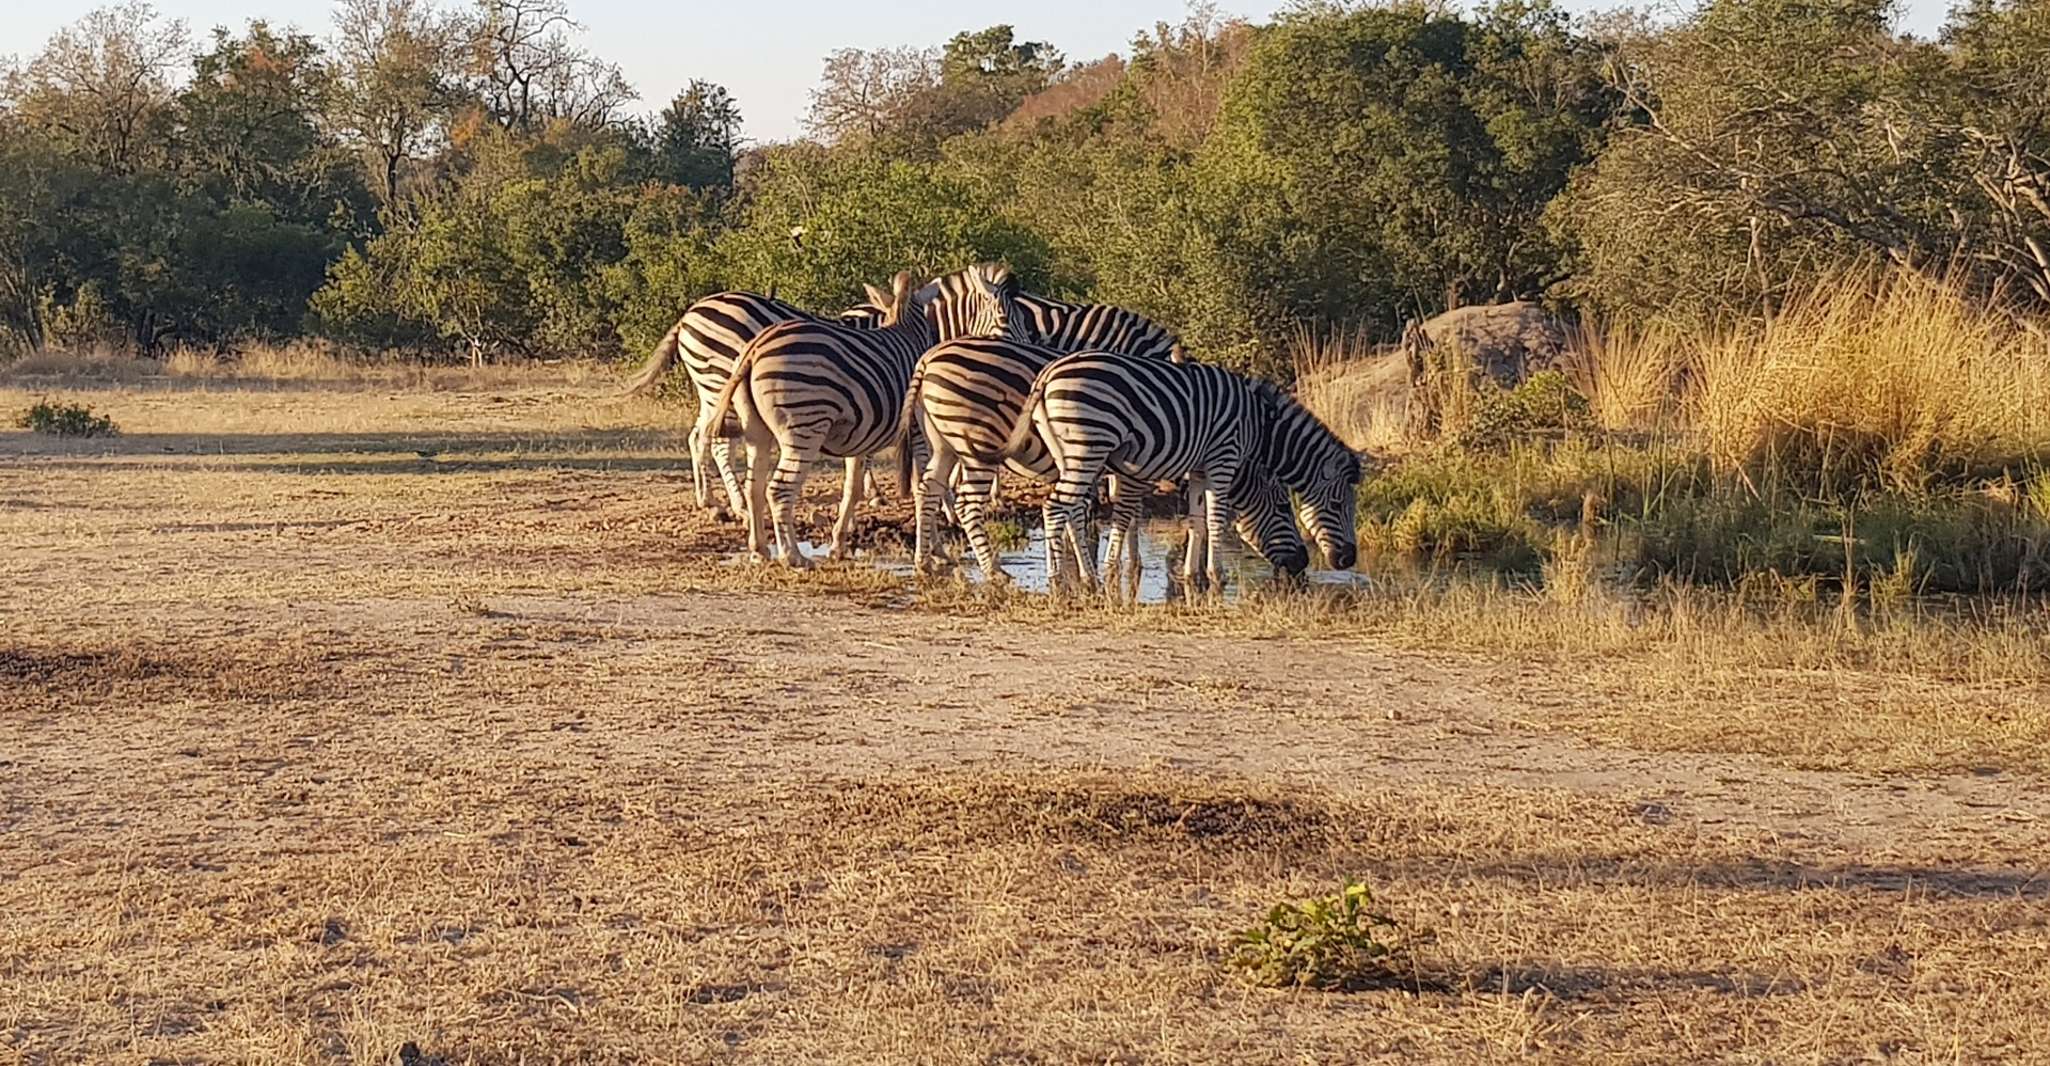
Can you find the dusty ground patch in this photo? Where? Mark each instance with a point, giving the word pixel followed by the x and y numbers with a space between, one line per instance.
pixel 334 722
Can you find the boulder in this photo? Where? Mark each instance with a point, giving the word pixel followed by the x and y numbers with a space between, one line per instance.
pixel 1452 354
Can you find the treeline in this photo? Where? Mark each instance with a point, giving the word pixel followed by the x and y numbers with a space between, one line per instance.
pixel 471 181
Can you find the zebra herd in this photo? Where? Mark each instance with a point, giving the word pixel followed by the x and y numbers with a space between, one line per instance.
pixel 968 377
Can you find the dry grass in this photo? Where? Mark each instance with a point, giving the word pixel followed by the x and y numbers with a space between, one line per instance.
pixel 299 363
pixel 1357 388
pixel 1024 915
pixel 315 746
pixel 1630 375
pixel 1894 378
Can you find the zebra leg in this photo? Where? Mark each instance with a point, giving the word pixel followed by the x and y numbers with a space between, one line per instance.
pixel 1123 554
pixel 761 462
pixel 727 460
pixel 1193 574
pixel 970 501
pixel 928 493
pixel 875 489
pixel 1217 517
pixel 784 489
pixel 850 498
pixel 699 483
pixel 1134 563
pixel 1050 521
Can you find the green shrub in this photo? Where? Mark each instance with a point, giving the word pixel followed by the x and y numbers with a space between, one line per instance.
pixel 1334 942
pixel 1942 543
pixel 66 420
pixel 1470 527
pixel 1543 404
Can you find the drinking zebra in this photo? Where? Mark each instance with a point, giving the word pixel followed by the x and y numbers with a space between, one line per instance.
pixel 966 394
pixel 812 389
pixel 1146 420
pixel 709 336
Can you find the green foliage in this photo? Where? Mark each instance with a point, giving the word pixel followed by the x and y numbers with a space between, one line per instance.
pixel 863 219
pixel 1961 543
pixel 1380 161
pixel 438 180
pixel 1775 140
pixel 1334 942
pixel 65 420
pixel 1543 404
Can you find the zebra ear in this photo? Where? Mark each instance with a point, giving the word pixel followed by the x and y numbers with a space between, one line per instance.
pixel 900 286
pixel 877 296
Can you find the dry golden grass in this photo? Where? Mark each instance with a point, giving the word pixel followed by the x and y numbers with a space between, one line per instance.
pixel 1357 388
pixel 1629 375
pixel 299 363
pixel 315 746
pixel 1896 377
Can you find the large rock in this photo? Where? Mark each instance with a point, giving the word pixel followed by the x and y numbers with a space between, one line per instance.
pixel 1451 354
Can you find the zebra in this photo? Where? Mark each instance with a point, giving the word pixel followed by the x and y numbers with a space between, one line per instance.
pixel 1070 327
pixel 812 389
pixel 709 336
pixel 1147 420
pixel 965 396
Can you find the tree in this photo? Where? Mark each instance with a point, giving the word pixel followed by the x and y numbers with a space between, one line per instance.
pixel 697 138
pixel 100 89
pixel 398 83
pixel 1999 50
pixel 862 94
pixel 251 127
pixel 1376 164
pixel 527 73
pixel 864 219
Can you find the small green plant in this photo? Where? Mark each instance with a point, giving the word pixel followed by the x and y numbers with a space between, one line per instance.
pixel 66 420
pixel 1334 942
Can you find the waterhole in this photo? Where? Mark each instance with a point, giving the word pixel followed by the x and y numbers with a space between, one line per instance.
pixel 1162 543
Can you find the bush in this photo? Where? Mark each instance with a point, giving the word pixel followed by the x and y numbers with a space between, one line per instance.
pixel 1545 404
pixel 1332 943
pixel 65 420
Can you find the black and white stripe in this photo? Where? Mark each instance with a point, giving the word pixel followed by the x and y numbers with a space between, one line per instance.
pixel 812 389
pixel 709 337
pixel 1146 420
pixel 1070 327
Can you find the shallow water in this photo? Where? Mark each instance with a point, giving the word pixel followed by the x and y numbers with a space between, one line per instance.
pixel 1161 544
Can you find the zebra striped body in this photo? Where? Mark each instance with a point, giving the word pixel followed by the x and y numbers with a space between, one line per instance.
pixel 1146 420
pixel 709 337
pixel 966 395
pixel 814 389
pixel 1070 327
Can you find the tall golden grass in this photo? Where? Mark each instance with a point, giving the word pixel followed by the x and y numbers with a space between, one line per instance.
pixel 1357 387
pixel 1893 378
pixel 1878 378
pixel 1630 374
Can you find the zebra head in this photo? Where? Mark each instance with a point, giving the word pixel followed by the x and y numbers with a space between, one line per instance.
pixel 1323 473
pixel 1263 521
pixel 898 306
pixel 981 301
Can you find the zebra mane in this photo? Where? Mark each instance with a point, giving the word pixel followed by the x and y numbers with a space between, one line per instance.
pixel 1296 424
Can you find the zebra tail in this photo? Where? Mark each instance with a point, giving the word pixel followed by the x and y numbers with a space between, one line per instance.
pixel 658 363
pixel 907 424
pixel 1021 434
pixel 742 367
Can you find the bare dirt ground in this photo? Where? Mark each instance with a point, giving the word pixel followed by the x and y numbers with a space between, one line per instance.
pixel 365 726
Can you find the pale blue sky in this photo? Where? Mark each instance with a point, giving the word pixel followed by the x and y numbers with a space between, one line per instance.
pixel 768 52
